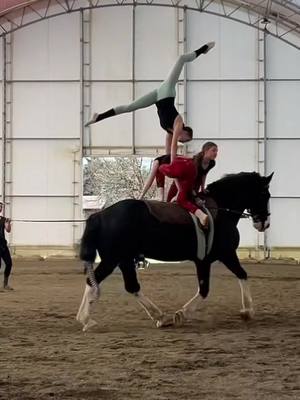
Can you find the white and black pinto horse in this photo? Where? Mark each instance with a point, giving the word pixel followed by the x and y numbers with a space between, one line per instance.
pixel 126 229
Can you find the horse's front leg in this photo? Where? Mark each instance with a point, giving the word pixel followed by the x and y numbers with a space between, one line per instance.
pixel 132 286
pixel 189 309
pixel 247 310
pixel 233 264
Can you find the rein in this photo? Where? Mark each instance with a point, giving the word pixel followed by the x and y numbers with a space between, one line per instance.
pixel 229 210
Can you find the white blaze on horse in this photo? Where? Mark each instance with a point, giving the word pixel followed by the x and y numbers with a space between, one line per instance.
pixel 116 234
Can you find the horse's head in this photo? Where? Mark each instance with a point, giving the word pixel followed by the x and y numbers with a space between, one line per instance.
pixel 259 208
pixel 245 190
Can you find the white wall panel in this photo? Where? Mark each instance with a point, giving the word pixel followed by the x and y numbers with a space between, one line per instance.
pixel 48 50
pixel 285 222
pixel 283 102
pixel 46 110
pixel 156 47
pixel 1 108
pixel 249 236
pixel 200 30
pixel 233 156
pixel 1 58
pixel 26 233
pixel 283 159
pixel 1 173
pixel 1 133
pixel 222 109
pixel 116 131
pixel 235 53
pixel 43 167
pixel 112 43
pixel 283 62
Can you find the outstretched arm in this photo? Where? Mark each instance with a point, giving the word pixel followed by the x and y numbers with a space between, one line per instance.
pixel 177 130
pixel 150 178
pixel 168 144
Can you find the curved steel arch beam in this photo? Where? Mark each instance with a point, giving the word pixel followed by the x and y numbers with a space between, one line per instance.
pixel 265 15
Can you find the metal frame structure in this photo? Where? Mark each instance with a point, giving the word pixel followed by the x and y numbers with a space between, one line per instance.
pixel 279 18
pixel 265 16
pixel 7 135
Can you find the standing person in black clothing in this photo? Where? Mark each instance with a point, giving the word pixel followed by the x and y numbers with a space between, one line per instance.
pixel 5 225
pixel 164 98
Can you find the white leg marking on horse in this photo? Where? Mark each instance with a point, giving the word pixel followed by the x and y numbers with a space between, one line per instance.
pixel 83 315
pixel 247 310
pixel 192 305
pixel 188 310
pixel 151 309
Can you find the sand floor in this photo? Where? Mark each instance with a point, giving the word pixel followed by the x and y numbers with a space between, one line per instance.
pixel 45 355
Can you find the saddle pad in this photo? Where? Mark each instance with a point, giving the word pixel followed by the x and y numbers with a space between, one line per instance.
pixel 170 213
pixel 204 239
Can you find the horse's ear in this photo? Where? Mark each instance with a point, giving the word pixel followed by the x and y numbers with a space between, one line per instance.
pixel 267 179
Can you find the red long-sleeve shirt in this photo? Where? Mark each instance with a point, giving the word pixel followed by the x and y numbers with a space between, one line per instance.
pixel 185 172
pixel 201 172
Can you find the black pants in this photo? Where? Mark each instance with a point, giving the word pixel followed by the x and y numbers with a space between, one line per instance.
pixel 5 256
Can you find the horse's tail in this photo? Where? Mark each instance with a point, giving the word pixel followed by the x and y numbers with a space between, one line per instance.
pixel 90 238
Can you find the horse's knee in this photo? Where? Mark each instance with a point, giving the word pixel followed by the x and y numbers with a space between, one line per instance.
pixel 242 274
pixel 132 287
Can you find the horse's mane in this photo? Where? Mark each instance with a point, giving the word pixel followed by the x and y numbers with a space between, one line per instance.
pixel 238 179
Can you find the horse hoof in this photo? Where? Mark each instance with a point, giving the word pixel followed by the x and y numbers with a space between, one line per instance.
pixel 179 318
pixel 88 325
pixel 246 315
pixel 164 321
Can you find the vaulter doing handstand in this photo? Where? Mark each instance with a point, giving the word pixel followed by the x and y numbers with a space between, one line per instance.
pixel 163 98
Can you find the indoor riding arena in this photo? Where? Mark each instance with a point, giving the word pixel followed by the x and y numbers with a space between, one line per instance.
pixel 137 139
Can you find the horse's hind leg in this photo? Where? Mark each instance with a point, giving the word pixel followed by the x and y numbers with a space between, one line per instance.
pixel 91 295
pixel 132 286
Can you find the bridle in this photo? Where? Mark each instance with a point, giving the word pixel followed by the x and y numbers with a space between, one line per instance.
pixel 247 214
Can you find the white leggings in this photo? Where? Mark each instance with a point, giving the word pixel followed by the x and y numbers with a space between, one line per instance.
pixel 166 89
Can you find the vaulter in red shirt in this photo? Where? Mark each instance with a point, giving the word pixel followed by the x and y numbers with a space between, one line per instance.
pixel 190 175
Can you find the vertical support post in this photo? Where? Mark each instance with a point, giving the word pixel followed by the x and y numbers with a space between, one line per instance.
pixel 266 247
pixel 85 78
pixel 181 49
pixel 7 94
pixel 85 140
pixel 185 66
pixel 133 149
pixel 262 123
pixel 3 66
